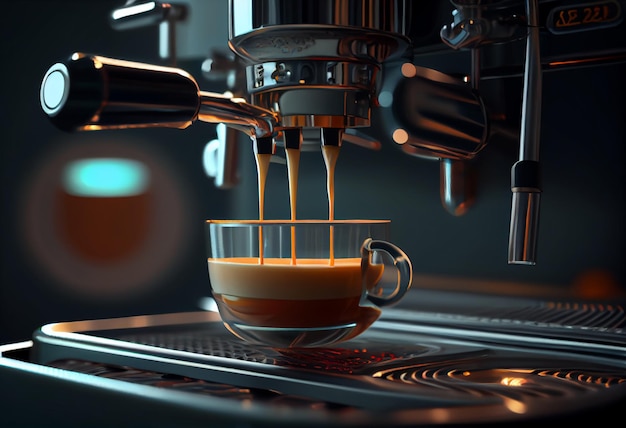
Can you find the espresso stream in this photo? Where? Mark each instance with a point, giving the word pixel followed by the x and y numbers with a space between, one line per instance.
pixel 330 154
pixel 262 166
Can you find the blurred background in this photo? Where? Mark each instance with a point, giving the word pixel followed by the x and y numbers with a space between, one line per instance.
pixel 138 247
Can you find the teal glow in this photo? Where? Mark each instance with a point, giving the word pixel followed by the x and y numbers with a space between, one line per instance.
pixel 105 177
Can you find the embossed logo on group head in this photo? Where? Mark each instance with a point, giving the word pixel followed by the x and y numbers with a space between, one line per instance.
pixel 287 44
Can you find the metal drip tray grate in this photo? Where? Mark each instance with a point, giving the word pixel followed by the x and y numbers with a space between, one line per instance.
pixel 393 369
pixel 573 321
pixel 515 384
pixel 568 314
pixel 506 378
pixel 478 373
pixel 353 360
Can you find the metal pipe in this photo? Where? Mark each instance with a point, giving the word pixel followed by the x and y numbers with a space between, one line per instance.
pixel 525 174
pixel 236 113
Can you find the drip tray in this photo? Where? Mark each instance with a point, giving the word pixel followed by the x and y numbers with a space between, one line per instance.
pixel 396 373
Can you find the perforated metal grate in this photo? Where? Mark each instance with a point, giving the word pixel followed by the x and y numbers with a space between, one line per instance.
pixel 575 314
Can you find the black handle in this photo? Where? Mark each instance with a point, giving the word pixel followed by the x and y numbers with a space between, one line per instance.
pixel 94 92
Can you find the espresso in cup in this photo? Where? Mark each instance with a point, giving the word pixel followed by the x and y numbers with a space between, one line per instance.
pixel 279 283
pixel 309 294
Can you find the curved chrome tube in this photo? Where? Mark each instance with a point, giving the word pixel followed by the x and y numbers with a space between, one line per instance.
pixel 237 113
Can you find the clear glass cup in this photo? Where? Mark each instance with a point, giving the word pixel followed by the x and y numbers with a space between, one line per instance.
pixel 303 283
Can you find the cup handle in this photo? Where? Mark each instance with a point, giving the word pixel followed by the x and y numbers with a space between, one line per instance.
pixel 375 292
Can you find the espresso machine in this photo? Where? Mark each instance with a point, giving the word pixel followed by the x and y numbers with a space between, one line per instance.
pixel 454 89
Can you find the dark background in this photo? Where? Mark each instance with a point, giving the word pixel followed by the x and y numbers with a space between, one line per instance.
pixel 582 233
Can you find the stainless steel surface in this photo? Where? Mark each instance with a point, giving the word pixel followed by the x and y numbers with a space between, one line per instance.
pixel 524 226
pixel 379 15
pixel 237 113
pixel 440 116
pixel 317 63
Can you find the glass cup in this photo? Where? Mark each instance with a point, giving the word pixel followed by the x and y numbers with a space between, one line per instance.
pixel 303 283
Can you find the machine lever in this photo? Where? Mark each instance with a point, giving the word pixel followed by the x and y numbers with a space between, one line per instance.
pixel 93 92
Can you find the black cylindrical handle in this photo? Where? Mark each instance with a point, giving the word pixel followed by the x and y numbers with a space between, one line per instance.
pixel 94 92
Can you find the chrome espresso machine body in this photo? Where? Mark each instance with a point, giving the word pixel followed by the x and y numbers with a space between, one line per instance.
pixel 457 88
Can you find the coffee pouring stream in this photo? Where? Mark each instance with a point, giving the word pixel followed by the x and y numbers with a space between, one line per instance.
pixel 317 73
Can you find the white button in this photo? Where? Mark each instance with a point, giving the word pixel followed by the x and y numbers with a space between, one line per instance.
pixel 54 89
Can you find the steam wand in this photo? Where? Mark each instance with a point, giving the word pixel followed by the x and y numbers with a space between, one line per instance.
pixel 525 174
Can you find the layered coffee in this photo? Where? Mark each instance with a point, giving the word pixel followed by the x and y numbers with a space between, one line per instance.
pixel 311 293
